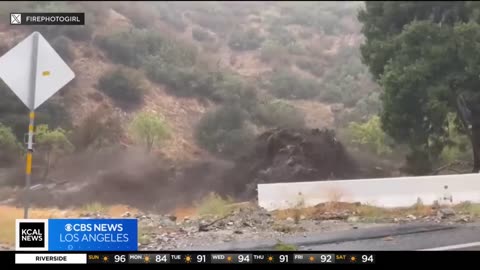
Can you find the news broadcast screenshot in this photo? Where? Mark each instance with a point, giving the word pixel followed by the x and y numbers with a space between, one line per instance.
pixel 247 132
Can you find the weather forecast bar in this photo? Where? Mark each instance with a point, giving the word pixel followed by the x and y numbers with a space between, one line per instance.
pixel 247 258
pixel 50 258
pixel 270 257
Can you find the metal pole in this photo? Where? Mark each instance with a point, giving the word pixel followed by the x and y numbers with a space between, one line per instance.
pixel 28 168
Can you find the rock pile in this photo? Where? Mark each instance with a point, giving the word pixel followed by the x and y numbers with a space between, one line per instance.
pixel 251 218
pixel 291 155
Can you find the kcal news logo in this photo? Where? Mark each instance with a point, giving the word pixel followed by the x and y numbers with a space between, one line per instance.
pixel 77 234
pixel 32 234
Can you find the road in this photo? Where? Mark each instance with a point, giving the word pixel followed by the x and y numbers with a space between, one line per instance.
pixel 446 238
pixel 405 237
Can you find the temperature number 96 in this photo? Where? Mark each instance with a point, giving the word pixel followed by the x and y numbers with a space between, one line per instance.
pixel 120 258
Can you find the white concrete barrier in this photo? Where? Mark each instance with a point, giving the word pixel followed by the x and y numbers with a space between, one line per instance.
pixel 382 192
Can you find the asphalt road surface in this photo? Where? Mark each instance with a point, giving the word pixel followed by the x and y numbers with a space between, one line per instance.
pixel 436 238
pixel 406 237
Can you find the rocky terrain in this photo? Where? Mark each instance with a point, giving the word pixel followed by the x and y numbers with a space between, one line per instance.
pixel 250 224
pixel 164 232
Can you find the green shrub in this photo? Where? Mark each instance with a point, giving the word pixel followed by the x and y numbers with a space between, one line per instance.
pixel 458 146
pixel 224 131
pixel 331 94
pixel 9 146
pixel 63 46
pixel 123 86
pixel 231 90
pixel 51 143
pixel 126 48
pixel 214 205
pixel 245 40
pixel 284 84
pixel 272 51
pixel 194 81
pixel 370 134
pixel 365 108
pixel 311 66
pixel 348 88
pixel 369 105
pixel 201 35
pixel 188 81
pixel 278 113
pixel 137 47
pixel 149 129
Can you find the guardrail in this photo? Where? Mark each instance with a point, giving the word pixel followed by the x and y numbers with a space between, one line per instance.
pixel 382 192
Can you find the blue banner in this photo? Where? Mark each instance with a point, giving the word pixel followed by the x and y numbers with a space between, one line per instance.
pixel 92 235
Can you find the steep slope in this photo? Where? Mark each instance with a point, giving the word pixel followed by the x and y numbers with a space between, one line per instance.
pixel 315 43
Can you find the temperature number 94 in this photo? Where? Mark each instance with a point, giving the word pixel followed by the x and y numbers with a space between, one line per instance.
pixel 367 259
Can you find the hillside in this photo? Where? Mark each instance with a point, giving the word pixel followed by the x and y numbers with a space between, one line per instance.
pixel 283 50
pixel 171 99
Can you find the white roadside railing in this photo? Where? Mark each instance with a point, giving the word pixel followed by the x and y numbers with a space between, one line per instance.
pixel 382 192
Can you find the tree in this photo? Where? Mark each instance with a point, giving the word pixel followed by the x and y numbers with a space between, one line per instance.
pixel 370 134
pixel 149 128
pixel 425 55
pixel 124 86
pixel 285 84
pixel 456 149
pixel 52 144
pixel 278 113
pixel 9 146
pixel 225 131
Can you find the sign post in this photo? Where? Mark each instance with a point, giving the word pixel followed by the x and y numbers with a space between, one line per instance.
pixel 31 116
pixel 34 72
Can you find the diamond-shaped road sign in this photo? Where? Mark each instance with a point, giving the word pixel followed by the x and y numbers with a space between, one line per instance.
pixel 39 63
